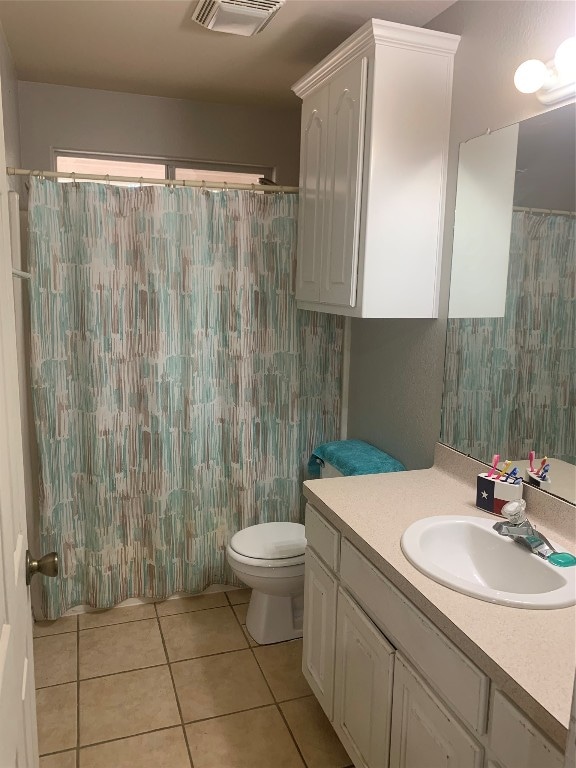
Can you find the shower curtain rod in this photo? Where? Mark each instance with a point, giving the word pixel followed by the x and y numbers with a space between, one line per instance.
pixel 523 209
pixel 142 180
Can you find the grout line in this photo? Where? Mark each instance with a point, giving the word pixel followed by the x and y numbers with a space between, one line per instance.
pixel 276 703
pixel 174 688
pixel 60 752
pixel 55 634
pixel 65 682
pixel 146 618
pixel 229 714
pixel 152 666
pixel 175 726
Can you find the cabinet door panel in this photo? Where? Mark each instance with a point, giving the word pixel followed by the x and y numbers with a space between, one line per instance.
pixel 312 195
pixel 424 734
pixel 319 630
pixel 362 686
pixel 346 125
pixel 515 741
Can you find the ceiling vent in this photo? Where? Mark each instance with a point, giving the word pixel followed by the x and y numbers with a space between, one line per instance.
pixel 237 17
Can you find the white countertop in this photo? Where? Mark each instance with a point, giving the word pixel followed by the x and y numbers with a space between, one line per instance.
pixel 529 654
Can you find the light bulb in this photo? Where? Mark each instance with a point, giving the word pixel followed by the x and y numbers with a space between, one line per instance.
pixel 565 59
pixel 530 76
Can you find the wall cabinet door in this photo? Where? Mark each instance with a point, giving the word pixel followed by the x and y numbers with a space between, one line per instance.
pixel 320 592
pixel 362 686
pixel 313 143
pixel 345 158
pixel 424 734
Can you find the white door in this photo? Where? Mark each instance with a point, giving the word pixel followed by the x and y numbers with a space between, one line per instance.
pixel 345 160
pixel 18 739
pixel 319 630
pixel 424 734
pixel 312 192
pixel 362 686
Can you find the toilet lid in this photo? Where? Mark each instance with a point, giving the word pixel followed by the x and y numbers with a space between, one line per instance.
pixel 270 541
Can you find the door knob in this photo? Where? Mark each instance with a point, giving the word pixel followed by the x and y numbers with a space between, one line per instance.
pixel 47 565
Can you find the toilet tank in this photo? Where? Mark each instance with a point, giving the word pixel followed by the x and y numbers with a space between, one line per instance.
pixel 329 471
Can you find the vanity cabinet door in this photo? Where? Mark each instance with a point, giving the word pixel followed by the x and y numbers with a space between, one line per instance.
pixel 362 686
pixel 320 592
pixel 424 734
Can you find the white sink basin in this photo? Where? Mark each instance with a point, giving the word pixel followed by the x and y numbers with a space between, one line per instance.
pixel 466 554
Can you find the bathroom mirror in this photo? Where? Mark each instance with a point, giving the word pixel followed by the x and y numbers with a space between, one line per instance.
pixel 510 372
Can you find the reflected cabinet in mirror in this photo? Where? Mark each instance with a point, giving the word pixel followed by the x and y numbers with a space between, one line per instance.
pixel 510 373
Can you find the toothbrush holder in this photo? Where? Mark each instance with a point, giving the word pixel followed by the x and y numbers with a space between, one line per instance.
pixel 532 479
pixel 492 494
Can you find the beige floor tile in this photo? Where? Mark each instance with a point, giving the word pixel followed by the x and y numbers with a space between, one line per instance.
pixel 162 749
pixel 193 603
pixel 120 647
pixel 126 704
pixel 55 659
pixel 320 746
pixel 238 596
pixel 189 635
pixel 116 616
pixel 241 611
pixel 56 713
pixel 255 739
pixel 60 760
pixel 218 685
pixel 57 627
pixel 249 637
pixel 282 666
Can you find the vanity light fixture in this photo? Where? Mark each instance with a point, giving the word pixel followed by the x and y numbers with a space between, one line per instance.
pixel 555 81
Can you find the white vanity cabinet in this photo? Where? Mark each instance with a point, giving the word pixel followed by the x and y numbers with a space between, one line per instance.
pixel 398 692
pixel 374 149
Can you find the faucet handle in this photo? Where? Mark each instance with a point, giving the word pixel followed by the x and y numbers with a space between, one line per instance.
pixel 515 512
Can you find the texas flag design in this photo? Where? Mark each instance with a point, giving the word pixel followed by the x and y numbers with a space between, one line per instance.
pixel 491 495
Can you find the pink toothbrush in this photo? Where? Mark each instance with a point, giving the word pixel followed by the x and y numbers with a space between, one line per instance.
pixel 495 460
pixel 531 457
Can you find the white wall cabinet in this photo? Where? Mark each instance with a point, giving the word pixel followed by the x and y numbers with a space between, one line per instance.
pixel 397 691
pixel 374 150
pixel 362 686
pixel 424 734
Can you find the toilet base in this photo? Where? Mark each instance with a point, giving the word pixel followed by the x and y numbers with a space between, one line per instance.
pixel 274 618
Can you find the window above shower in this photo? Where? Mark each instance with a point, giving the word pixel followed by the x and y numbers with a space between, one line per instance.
pixel 161 169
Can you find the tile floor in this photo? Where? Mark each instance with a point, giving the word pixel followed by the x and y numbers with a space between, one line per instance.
pixel 177 684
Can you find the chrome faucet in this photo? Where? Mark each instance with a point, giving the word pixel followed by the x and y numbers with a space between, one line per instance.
pixel 521 530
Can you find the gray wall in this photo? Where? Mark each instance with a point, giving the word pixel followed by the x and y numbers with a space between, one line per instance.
pixel 62 117
pixel 397 366
pixel 9 107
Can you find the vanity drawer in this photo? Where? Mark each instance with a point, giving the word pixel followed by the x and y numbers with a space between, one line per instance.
pixel 453 675
pixel 322 537
pixel 514 739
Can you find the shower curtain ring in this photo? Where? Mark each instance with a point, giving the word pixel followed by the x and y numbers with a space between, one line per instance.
pixel 141 177
pixel 108 179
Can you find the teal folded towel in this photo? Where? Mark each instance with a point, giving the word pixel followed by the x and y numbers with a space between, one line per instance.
pixel 352 457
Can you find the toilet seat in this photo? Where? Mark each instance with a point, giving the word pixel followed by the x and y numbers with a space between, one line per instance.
pixel 269 545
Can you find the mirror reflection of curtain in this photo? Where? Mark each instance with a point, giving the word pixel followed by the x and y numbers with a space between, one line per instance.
pixel 178 392
pixel 509 382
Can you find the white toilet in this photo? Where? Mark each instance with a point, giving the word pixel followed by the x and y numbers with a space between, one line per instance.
pixel 270 558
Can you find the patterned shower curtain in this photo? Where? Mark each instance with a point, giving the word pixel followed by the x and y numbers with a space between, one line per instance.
pixel 178 392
